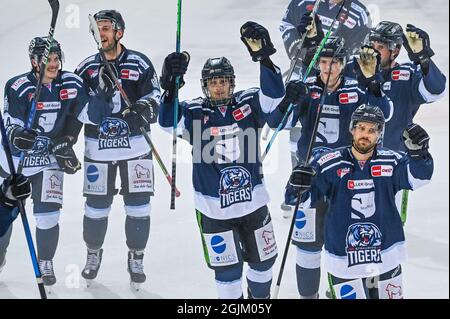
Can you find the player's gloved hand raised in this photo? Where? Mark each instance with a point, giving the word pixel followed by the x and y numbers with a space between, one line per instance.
pixel 417 44
pixel 312 27
pixel 141 114
pixel 367 69
pixel 296 91
pixel 23 139
pixel 106 85
pixel 175 64
pixel 257 40
pixel 14 188
pixel 416 140
pixel 301 178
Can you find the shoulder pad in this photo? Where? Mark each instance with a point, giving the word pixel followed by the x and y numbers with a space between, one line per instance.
pixel 311 79
pixel 195 103
pixel 388 153
pixel 328 157
pixel 19 82
pixel 242 95
pixel 142 60
pixel 350 82
pixel 71 76
pixel 86 61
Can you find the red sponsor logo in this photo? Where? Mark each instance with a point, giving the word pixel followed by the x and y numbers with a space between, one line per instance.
pixel 129 75
pixel 309 7
pixel 341 172
pixel 214 131
pixel 40 106
pixel 382 170
pixel 67 94
pixel 242 113
pixel 351 184
pixel 347 98
pixel 399 75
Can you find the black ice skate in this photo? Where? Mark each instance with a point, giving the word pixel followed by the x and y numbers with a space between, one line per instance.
pixel 93 262
pixel 136 268
pixel 48 274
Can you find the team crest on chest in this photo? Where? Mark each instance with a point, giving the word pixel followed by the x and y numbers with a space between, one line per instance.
pixel 235 186
pixel 363 244
pixel 114 134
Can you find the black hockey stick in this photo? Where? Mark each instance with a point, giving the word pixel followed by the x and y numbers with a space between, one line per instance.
pixel 306 161
pixel 54 4
pixel 96 34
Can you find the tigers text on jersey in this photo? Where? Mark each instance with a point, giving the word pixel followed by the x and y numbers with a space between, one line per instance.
pixel 364 235
pixel 109 137
pixel 227 171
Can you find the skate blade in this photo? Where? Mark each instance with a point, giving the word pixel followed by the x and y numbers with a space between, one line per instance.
pixel 135 285
pixel 89 282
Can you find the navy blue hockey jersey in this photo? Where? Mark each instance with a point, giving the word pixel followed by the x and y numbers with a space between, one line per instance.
pixel 227 170
pixel 364 235
pixel 110 137
pixel 55 115
pixel 408 88
pixel 354 23
pixel 334 125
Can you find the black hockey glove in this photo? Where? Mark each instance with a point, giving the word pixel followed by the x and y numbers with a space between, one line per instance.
pixel 296 91
pixel 15 188
pixel 142 113
pixel 301 178
pixel 416 140
pixel 23 139
pixel 367 69
pixel 106 85
pixel 175 64
pixel 61 144
pixel 417 44
pixel 257 40
pixel 67 161
pixel 313 28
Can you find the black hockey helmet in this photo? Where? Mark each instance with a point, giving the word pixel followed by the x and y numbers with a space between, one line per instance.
pixel 368 113
pixel 37 47
pixel 218 68
pixel 388 32
pixel 335 47
pixel 111 15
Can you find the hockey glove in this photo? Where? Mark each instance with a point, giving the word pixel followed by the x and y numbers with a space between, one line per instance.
pixel 106 85
pixel 313 27
pixel 416 140
pixel 296 91
pixel 257 40
pixel 142 113
pixel 417 44
pixel 68 161
pixel 367 68
pixel 175 64
pixel 23 139
pixel 301 178
pixel 15 188
pixel 61 144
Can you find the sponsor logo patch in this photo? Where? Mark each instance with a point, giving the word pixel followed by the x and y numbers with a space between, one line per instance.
pixel 242 112
pixel 347 98
pixel 401 75
pixel 68 94
pixel 130 75
pixel 328 157
pixel 360 184
pixel 382 170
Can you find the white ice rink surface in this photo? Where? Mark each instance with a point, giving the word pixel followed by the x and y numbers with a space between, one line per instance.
pixel 174 261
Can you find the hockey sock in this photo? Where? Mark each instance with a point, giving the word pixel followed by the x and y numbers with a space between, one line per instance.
pixel 259 283
pixel 47 241
pixel 137 231
pixel 308 281
pixel 94 232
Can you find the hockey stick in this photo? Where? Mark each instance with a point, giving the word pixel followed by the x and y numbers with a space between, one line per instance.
pixel 176 103
pixel 306 161
pixel 311 65
pixel 296 58
pixel 54 4
pixel 23 214
pixel 404 206
pixel 294 62
pixel 97 38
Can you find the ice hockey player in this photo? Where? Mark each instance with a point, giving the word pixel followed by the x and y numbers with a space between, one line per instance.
pixel 230 196
pixel 48 143
pixel 116 143
pixel 364 240
pixel 13 189
pixel 344 95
